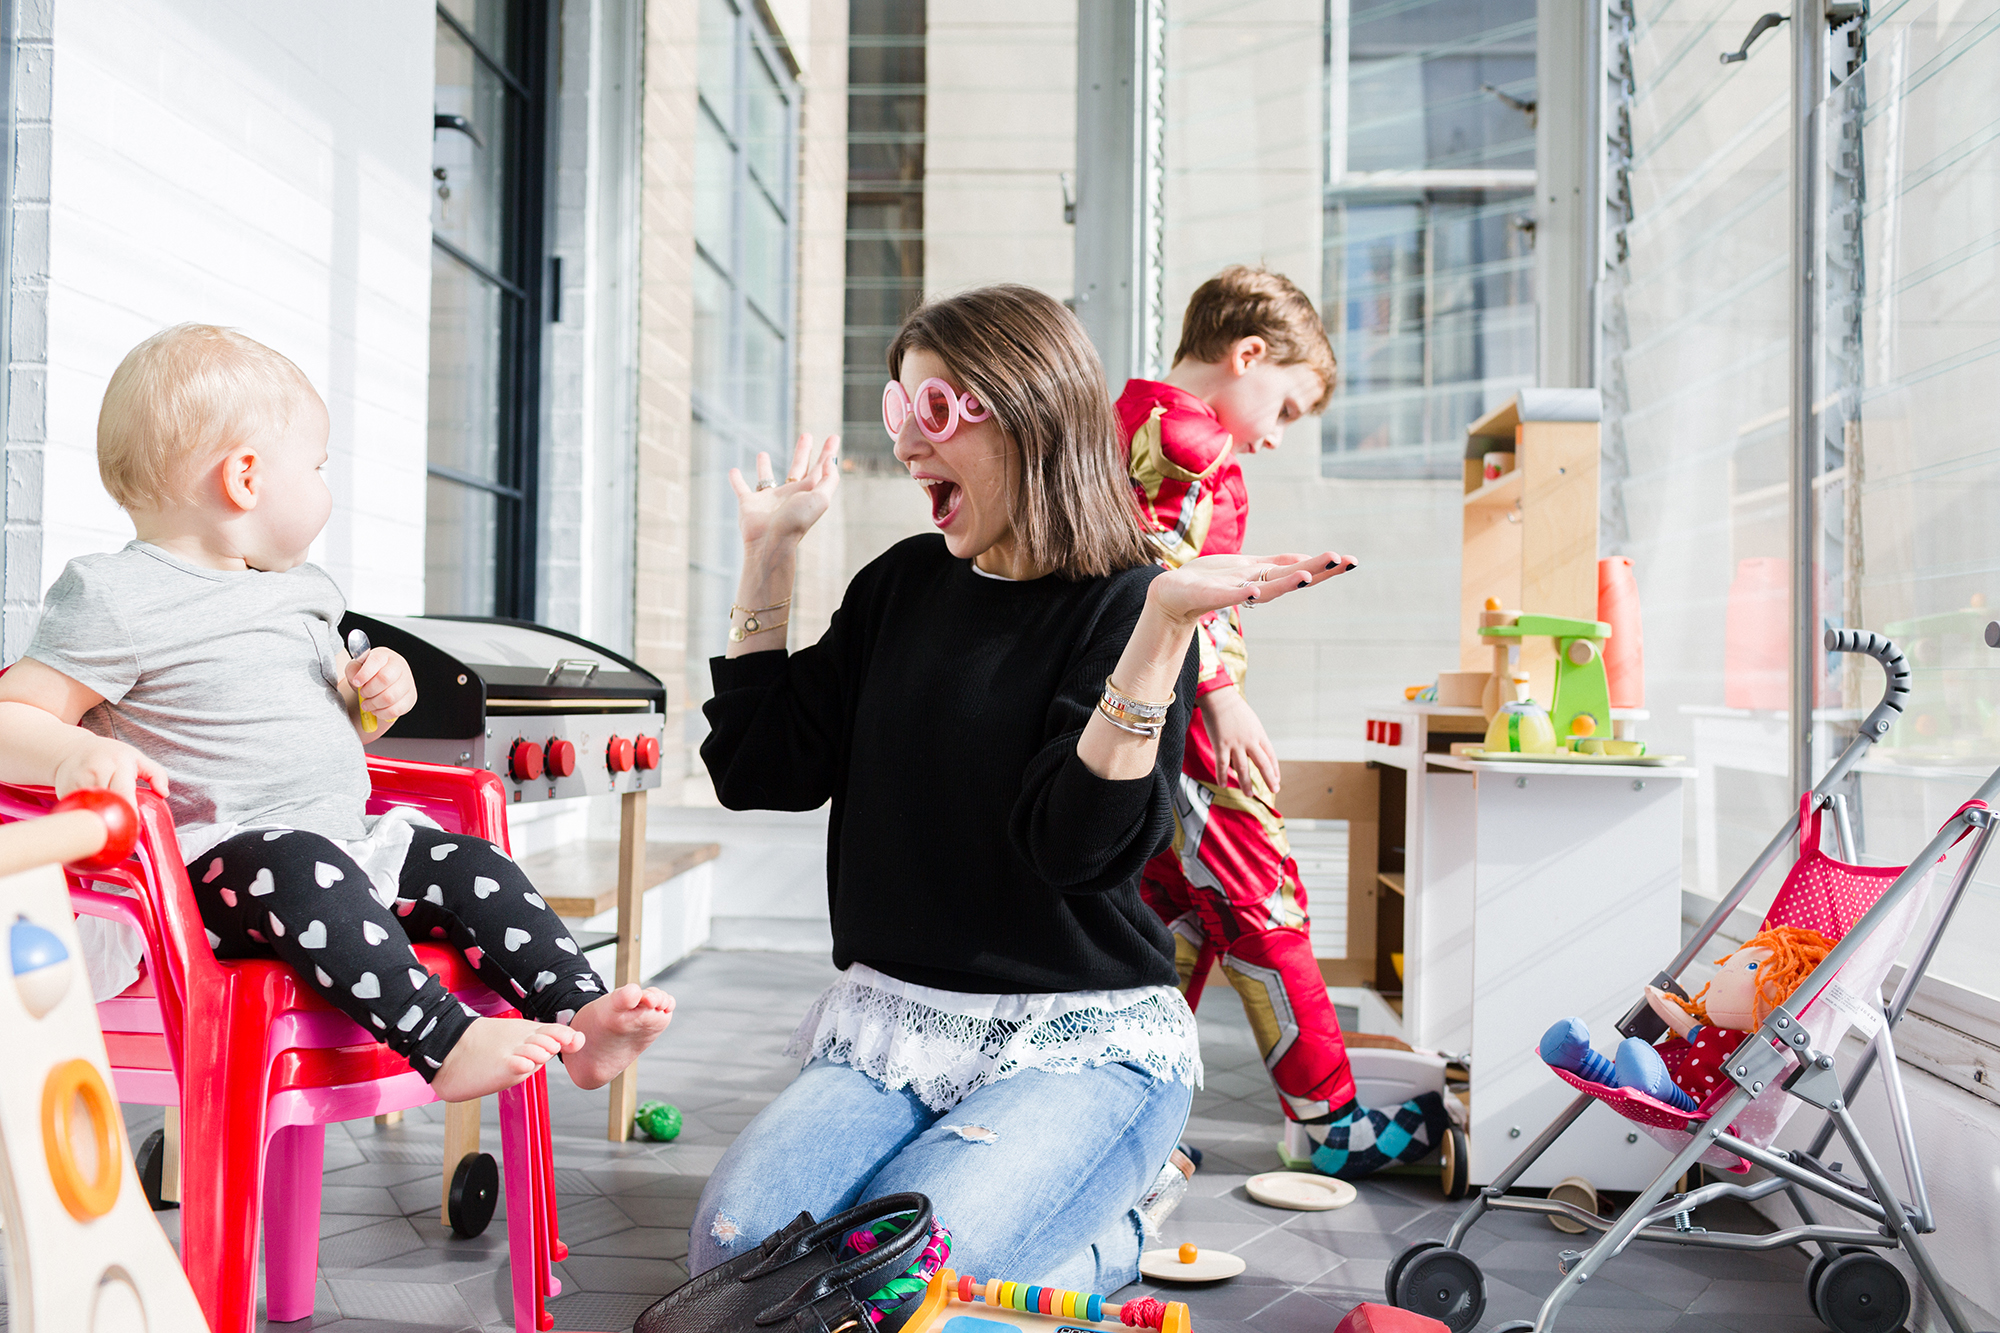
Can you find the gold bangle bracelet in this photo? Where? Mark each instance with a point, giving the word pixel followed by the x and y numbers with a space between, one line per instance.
pixel 1140 706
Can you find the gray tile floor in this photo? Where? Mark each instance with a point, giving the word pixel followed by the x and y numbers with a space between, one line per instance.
pixel 388 1266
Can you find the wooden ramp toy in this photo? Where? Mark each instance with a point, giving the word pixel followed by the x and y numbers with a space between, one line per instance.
pixel 84 1253
pixel 962 1303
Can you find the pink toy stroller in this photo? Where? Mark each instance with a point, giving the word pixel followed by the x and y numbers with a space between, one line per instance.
pixel 1869 911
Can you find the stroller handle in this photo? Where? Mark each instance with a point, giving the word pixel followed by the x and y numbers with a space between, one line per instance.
pixel 1894 665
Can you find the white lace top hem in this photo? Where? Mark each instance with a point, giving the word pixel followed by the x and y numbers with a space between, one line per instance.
pixel 943 1045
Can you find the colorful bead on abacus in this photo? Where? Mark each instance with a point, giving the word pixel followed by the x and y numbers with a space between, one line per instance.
pixel 965 1288
pixel 993 1292
pixel 1095 1310
pixel 1069 1305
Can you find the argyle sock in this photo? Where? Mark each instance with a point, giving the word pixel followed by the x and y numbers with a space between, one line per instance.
pixel 1358 1142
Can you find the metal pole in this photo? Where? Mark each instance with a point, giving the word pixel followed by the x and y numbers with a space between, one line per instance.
pixel 1120 181
pixel 1808 86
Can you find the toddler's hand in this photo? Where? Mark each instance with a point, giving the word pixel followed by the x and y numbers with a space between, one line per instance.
pixel 383 680
pixel 114 766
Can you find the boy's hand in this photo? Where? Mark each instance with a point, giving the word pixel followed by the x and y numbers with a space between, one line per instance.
pixel 381 679
pixel 1239 739
pixel 114 766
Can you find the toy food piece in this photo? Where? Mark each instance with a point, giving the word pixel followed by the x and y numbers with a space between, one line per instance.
pixel 1583 724
pixel 1301 1191
pixel 659 1121
pixel 1188 1264
pixel 41 966
pixel 357 648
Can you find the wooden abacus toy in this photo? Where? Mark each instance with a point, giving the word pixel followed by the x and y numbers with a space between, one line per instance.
pixel 84 1252
pixel 1012 1305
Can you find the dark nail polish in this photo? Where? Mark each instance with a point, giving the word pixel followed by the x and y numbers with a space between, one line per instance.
pixel 1353 565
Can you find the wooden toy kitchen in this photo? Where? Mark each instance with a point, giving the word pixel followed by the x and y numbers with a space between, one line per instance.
pixel 1530 849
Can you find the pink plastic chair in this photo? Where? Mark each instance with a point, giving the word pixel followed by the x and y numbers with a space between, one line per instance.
pixel 260 1065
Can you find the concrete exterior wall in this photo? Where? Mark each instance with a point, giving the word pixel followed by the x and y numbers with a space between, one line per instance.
pixel 262 167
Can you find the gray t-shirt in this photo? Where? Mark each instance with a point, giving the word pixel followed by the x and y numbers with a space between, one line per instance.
pixel 228 680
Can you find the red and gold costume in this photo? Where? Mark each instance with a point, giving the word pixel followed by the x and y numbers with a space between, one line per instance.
pixel 1229 887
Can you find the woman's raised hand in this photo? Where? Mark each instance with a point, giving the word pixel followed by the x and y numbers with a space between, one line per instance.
pixel 780 511
pixel 1213 582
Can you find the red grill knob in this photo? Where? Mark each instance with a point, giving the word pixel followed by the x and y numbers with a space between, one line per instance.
pixel 646 752
pixel 561 758
pixel 524 761
pixel 618 755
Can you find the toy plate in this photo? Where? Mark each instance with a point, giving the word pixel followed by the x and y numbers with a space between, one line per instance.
pixel 1301 1191
pixel 1514 757
pixel 1208 1266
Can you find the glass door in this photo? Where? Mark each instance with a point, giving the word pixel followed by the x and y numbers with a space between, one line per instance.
pixel 486 272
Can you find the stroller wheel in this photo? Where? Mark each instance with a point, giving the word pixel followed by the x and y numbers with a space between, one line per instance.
pixel 1444 1285
pixel 1402 1261
pixel 1818 1265
pixel 1456 1159
pixel 1861 1293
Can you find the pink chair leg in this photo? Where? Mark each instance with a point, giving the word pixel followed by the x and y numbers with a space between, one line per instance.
pixel 292 1168
pixel 518 1180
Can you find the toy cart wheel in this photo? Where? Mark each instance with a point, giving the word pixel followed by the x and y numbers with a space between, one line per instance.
pixel 150 1162
pixel 1861 1293
pixel 475 1189
pixel 1401 1261
pixel 1457 1161
pixel 1446 1286
pixel 1515 1326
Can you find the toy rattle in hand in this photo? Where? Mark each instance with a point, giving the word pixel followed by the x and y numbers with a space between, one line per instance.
pixel 1754 980
pixel 357 648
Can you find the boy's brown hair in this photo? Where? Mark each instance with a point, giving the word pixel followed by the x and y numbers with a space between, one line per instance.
pixel 1244 302
pixel 1025 356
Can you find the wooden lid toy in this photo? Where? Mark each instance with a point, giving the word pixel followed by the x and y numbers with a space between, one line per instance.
pixel 1189 1264
pixel 1301 1191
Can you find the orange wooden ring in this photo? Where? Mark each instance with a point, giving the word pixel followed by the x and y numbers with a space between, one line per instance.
pixel 85 1199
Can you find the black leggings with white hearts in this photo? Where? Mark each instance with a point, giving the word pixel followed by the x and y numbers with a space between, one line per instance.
pixel 299 897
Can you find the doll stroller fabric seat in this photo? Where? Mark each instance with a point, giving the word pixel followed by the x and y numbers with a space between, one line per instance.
pixel 1821 893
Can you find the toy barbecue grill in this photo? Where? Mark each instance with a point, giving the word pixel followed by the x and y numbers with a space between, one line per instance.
pixel 553 715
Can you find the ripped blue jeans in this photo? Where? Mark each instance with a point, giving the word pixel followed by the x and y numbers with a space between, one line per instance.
pixel 1038 1176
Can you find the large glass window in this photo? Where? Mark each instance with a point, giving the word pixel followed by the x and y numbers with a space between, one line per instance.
pixel 1430 175
pixel 885 205
pixel 486 275
pixel 1698 430
pixel 744 273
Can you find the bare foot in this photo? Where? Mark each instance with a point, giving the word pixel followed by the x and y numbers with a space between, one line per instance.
pixel 497 1053
pixel 616 1027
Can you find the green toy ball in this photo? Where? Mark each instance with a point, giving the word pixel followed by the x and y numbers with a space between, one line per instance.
pixel 658 1120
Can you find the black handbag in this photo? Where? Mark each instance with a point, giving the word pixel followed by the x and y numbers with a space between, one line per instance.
pixel 797 1281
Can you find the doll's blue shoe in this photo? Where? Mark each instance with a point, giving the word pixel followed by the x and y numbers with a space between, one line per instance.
pixel 1639 1067
pixel 1566 1046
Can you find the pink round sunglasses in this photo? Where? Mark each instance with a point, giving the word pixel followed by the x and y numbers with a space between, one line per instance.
pixel 939 409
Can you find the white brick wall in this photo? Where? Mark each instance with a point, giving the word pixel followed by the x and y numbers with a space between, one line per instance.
pixel 264 166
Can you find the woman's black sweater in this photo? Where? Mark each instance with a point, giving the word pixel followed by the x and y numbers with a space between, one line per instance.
pixel 969 847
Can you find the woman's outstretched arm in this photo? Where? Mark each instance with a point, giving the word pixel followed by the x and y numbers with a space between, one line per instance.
pixel 777 721
pixel 1176 601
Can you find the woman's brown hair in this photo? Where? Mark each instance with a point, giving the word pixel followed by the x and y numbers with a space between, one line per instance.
pixel 1026 357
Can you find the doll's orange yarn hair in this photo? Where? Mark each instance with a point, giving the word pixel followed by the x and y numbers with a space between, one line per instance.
pixel 1795 952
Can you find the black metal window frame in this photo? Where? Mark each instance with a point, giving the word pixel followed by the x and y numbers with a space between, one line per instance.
pixel 520 280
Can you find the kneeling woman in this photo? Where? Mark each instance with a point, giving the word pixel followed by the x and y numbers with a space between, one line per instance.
pixel 996 714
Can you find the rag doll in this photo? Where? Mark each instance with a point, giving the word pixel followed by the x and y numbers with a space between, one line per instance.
pixel 1753 981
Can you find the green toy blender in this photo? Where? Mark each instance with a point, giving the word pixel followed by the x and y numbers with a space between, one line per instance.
pixel 1580 688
